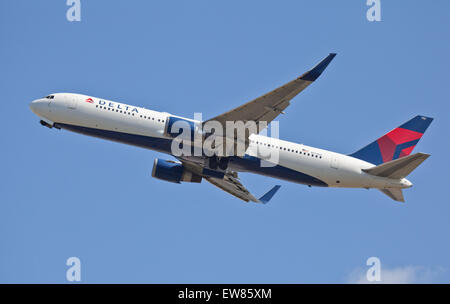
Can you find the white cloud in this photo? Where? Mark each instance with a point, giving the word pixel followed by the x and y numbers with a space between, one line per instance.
pixel 398 275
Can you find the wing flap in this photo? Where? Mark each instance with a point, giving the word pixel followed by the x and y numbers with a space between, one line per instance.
pixel 228 182
pixel 232 186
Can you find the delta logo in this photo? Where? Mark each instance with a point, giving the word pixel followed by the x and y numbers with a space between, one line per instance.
pixel 90 100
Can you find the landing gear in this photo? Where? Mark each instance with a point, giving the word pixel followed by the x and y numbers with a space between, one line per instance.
pixel 213 162
pixel 216 162
pixel 223 163
pixel 46 124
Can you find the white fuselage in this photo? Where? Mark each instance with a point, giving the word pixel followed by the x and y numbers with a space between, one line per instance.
pixel 113 120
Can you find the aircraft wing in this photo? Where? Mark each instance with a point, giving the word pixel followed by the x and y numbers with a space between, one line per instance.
pixel 233 186
pixel 267 107
pixel 229 182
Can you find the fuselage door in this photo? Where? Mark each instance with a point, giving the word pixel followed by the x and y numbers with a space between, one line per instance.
pixel 334 162
pixel 71 102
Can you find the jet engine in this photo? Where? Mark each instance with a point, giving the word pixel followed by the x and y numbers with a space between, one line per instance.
pixel 174 172
pixel 176 125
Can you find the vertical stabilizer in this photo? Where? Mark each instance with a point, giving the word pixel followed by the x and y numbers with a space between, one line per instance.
pixel 395 144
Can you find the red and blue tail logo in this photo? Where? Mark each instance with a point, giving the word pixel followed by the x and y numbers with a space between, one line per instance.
pixel 395 144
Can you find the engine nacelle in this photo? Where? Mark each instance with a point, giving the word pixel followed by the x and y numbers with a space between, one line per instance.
pixel 174 172
pixel 176 126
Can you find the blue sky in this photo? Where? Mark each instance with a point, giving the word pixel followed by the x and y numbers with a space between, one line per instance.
pixel 64 195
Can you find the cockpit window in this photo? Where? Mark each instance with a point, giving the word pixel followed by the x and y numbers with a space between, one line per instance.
pixel 50 96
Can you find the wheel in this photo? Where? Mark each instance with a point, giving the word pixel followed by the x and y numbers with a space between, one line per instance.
pixel 213 162
pixel 223 163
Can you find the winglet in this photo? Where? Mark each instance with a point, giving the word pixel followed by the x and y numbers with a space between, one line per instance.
pixel 315 72
pixel 266 197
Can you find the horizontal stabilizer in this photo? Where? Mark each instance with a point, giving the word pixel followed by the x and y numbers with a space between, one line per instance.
pixel 394 193
pixel 398 168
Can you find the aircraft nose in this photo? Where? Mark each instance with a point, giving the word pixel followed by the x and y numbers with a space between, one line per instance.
pixel 33 105
pixel 37 106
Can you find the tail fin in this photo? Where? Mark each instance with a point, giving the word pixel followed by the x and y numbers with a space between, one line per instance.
pixel 395 144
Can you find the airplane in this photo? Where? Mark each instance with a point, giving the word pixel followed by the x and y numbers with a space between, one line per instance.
pixel 383 164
